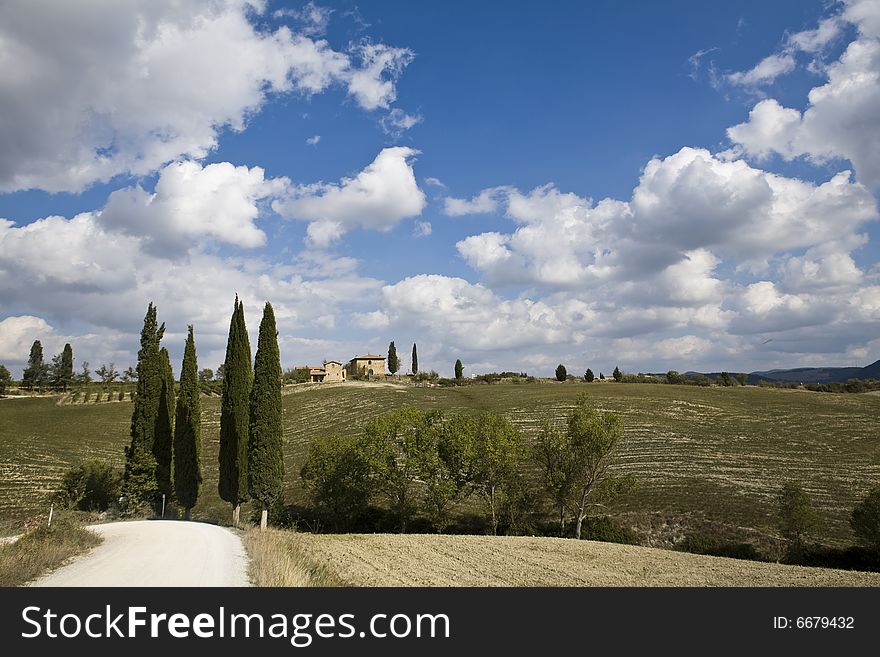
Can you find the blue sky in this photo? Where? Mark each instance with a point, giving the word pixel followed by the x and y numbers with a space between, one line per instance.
pixel 655 185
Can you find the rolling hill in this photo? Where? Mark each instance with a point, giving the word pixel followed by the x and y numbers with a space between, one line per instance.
pixel 701 455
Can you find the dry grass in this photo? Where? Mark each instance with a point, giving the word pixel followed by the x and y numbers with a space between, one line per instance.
pixel 42 550
pixel 276 559
pixel 432 560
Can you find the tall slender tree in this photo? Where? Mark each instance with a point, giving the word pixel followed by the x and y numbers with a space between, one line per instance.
pixel 34 375
pixel 237 381
pixel 163 442
pixel 393 360
pixel 188 431
pixel 415 360
pixel 67 365
pixel 459 370
pixel 265 454
pixel 61 371
pixel 139 480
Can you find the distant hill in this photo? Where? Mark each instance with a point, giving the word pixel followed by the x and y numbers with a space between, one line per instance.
pixel 818 374
pixel 807 374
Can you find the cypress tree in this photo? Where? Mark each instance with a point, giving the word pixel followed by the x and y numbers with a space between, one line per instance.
pixel 5 379
pixel 188 431
pixel 163 442
pixel 66 373
pixel 617 374
pixel 415 360
pixel 237 381
pixel 139 481
pixel 393 360
pixel 61 370
pixel 34 375
pixel 459 370
pixel 561 372
pixel 265 454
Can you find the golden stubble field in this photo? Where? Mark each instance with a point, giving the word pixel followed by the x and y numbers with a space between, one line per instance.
pixel 435 560
pixel 714 454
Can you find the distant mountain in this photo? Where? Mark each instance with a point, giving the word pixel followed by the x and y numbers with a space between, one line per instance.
pixel 818 374
pixel 806 374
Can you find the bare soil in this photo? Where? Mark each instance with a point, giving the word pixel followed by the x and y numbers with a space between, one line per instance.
pixel 436 560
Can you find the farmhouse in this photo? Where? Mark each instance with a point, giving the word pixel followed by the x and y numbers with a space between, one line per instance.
pixel 334 371
pixel 331 370
pixel 369 365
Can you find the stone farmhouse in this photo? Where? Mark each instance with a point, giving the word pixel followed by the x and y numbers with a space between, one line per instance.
pixel 333 370
pixel 369 365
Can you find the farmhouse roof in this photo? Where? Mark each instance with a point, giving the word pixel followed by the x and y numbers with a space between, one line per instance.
pixel 369 356
pixel 327 362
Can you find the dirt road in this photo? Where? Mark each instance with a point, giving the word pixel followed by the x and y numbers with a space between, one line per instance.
pixel 157 553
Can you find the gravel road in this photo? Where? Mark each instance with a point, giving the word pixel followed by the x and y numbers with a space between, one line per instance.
pixel 157 553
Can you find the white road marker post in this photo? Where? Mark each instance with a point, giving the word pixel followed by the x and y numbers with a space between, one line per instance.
pixel 51 509
pixel 163 506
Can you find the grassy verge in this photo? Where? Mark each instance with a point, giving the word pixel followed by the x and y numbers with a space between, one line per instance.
pixel 43 549
pixel 277 559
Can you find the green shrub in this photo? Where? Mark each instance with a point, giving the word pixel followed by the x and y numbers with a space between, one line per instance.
pixel 296 375
pixel 91 486
pixel 865 520
pixel 608 530
pixel 710 545
pixel 640 378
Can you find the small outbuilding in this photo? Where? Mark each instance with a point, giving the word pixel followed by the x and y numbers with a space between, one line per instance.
pixel 330 371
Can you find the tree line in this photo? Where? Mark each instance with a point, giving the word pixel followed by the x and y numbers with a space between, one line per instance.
pixel 163 459
pixel 58 375
pixel 428 464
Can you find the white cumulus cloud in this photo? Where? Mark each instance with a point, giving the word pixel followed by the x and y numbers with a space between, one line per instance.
pixel 841 119
pixel 92 90
pixel 219 201
pixel 690 202
pixel 378 197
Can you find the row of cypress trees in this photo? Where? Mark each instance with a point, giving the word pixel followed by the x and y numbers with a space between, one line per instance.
pixel 164 456
pixel 251 456
pixel 394 361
